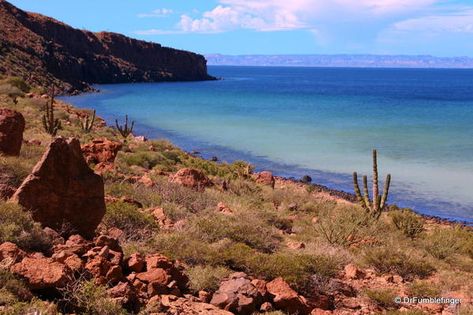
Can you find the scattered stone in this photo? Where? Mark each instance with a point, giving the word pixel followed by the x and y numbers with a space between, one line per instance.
pixel 266 307
pixel 265 178
pixel 62 191
pixel 12 126
pixel 222 208
pixel 238 295
pixel 204 296
pixel 285 298
pixel 306 179
pixel 191 178
pixel 136 263
pixel 101 151
pixel 42 273
pixel 295 245
pixel 353 272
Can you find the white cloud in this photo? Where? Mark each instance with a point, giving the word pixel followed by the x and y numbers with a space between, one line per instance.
pixel 459 22
pixel 156 13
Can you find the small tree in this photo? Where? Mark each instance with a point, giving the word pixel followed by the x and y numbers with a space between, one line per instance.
pixel 51 125
pixel 125 130
pixel 377 205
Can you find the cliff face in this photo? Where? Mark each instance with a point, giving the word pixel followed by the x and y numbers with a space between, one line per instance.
pixel 44 50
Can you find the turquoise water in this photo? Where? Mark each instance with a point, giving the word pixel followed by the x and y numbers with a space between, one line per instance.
pixel 322 122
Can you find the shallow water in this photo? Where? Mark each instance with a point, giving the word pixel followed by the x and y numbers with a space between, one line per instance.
pixel 322 122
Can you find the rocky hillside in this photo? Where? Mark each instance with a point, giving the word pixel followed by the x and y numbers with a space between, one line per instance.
pixel 42 50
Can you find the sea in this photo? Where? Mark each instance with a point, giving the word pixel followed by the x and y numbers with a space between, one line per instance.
pixel 321 122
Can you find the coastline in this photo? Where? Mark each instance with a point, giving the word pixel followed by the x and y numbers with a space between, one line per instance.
pixel 337 195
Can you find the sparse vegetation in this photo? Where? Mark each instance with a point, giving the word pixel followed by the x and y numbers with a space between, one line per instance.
pixel 407 222
pixel 125 130
pixel 382 297
pixel 51 124
pixel 87 122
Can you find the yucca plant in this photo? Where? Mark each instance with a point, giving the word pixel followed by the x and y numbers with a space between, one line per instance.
pixel 51 125
pixel 125 130
pixel 87 122
pixel 376 206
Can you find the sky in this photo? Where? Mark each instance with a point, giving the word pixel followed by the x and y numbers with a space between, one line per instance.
pixel 408 27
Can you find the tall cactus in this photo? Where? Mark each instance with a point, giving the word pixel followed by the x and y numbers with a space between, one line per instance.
pixel 377 205
pixel 51 125
pixel 125 130
pixel 87 123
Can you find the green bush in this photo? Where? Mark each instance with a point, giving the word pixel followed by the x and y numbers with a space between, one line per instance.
pixel 18 227
pixel 206 278
pixel 135 224
pixel 446 242
pixel 408 266
pixel 410 224
pixel 86 297
pixel 344 225
pixel 12 289
pixel 382 297
pixel 145 159
pixel 424 289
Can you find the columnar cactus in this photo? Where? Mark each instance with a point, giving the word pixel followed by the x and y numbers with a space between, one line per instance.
pixel 377 205
pixel 125 130
pixel 51 125
pixel 87 123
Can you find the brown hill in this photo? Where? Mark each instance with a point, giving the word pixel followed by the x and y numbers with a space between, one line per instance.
pixel 42 50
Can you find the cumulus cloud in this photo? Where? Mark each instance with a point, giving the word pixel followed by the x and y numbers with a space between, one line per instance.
pixel 156 13
pixel 458 22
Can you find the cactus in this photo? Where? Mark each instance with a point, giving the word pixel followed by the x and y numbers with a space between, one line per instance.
pixel 125 130
pixel 377 205
pixel 51 125
pixel 87 123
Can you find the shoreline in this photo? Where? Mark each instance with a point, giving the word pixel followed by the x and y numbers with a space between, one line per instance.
pixel 335 193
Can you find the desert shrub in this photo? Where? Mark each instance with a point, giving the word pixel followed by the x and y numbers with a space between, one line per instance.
pixel 246 229
pixel 403 312
pixel 86 297
pixel 15 169
pixel 11 91
pixel 410 224
pixel 206 278
pixel 408 266
pixel 144 195
pixel 445 242
pixel 145 159
pixel 135 224
pixel 382 297
pixel 188 198
pixel 12 289
pixel 424 289
pixel 19 83
pixel 344 225
pixel 241 187
pixel 17 226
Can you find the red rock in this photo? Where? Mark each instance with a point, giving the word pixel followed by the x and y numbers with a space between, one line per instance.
pixel 63 191
pixel 146 181
pixel 295 245
pixel 285 298
pixel 154 275
pixel 101 151
pixel 110 242
pixel 136 262
pixel 204 296
pixel 158 261
pixel 185 306
pixel 318 311
pixel 353 272
pixel 114 274
pixel 10 252
pixel 222 208
pixel 191 178
pixel 266 307
pixel 265 178
pixel 124 294
pixel 42 273
pixel 12 126
pixel 74 263
pixel 56 239
pixel 238 295
pixel 98 268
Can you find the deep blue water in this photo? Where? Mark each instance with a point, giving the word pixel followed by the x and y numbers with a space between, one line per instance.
pixel 323 122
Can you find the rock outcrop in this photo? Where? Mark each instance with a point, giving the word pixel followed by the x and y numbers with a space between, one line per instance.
pixel 265 178
pixel 102 153
pixel 44 50
pixel 62 192
pixel 12 126
pixel 192 178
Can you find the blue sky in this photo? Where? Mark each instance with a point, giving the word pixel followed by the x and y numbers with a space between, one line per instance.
pixel 436 27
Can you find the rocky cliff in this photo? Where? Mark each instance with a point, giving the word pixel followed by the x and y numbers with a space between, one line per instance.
pixel 44 50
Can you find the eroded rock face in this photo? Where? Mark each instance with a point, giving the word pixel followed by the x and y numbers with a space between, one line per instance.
pixel 62 191
pixel 12 126
pixel 192 178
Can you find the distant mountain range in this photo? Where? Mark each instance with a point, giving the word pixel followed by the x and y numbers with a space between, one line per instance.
pixel 362 61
